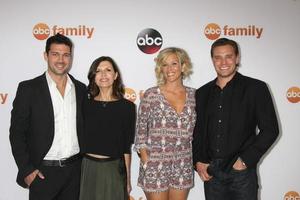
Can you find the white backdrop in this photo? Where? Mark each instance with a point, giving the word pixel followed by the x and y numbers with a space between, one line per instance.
pixel 270 48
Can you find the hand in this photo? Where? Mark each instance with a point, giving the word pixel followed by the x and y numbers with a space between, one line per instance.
pixel 202 171
pixel 30 178
pixel 239 165
pixel 129 188
pixel 144 155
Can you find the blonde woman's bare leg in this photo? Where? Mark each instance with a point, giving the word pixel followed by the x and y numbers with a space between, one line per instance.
pixel 176 194
pixel 157 195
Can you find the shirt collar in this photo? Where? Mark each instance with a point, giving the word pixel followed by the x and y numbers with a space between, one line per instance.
pixel 52 83
pixel 234 79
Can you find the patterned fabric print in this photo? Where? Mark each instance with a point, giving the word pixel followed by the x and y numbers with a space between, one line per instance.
pixel 167 135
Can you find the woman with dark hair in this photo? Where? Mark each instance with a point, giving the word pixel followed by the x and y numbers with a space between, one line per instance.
pixel 109 122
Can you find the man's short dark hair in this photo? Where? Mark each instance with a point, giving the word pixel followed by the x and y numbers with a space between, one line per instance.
pixel 222 42
pixel 58 39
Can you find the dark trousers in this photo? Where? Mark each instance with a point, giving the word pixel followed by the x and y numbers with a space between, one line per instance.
pixel 60 183
pixel 230 185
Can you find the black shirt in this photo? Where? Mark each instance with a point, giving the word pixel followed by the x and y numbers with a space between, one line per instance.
pixel 109 127
pixel 218 116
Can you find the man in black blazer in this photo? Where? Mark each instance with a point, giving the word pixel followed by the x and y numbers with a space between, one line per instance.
pixel 236 124
pixel 46 125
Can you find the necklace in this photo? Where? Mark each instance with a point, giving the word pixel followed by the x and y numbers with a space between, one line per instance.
pixel 104 101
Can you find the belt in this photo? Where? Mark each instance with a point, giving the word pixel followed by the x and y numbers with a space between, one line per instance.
pixel 62 162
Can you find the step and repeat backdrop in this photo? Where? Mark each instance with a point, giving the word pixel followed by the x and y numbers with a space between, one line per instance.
pixel 132 32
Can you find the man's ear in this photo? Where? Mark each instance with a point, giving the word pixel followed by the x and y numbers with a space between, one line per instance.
pixel 45 56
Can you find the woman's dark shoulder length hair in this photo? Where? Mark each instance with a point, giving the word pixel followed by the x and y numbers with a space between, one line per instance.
pixel 118 86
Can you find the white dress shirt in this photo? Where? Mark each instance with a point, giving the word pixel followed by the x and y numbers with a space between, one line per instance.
pixel 65 142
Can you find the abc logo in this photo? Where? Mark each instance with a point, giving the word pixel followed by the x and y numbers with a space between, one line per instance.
pixel 212 31
pixel 291 195
pixel 130 94
pixel 41 31
pixel 293 94
pixel 149 41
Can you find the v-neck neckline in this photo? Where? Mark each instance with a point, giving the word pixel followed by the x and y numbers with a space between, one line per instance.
pixel 170 105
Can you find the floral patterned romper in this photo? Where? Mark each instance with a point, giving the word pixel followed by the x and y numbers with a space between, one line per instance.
pixel 167 135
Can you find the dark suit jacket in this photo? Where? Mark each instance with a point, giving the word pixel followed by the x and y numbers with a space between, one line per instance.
pixel 251 108
pixel 32 123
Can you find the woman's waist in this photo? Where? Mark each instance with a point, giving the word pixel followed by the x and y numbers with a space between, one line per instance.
pixel 101 158
pixel 103 153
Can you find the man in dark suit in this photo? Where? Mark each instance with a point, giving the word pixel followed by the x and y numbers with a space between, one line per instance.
pixel 46 125
pixel 236 124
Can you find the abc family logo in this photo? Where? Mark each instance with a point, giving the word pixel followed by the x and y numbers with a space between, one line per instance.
pixel 293 94
pixel 291 195
pixel 149 41
pixel 41 31
pixel 130 94
pixel 3 98
pixel 213 31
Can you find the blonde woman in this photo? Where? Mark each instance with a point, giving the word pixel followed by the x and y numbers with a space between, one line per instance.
pixel 166 119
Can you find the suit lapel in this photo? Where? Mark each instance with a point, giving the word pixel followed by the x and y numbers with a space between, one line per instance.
pixel 45 96
pixel 207 105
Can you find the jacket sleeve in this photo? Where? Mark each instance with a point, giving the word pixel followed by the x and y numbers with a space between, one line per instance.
pixel 267 126
pixel 20 120
pixel 199 141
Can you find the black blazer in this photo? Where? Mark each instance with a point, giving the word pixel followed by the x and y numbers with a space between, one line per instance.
pixel 32 123
pixel 251 108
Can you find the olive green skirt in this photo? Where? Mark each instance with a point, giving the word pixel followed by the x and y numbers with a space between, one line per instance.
pixel 103 179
